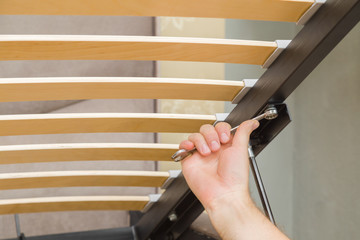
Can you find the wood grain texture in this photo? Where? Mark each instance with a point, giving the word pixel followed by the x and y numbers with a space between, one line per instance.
pixel 76 203
pixel 61 179
pixel 270 10
pixel 35 124
pixel 43 89
pixel 82 47
pixel 37 153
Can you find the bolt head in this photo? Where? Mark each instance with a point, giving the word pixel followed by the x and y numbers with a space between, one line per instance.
pixel 271 113
pixel 173 217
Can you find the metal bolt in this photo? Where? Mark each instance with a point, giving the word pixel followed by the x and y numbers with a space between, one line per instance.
pixel 173 217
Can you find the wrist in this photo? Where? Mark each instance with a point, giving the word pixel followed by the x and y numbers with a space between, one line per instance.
pixel 236 217
pixel 238 201
pixel 229 209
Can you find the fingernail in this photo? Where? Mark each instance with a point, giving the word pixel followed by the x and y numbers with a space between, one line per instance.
pixel 205 149
pixel 224 137
pixel 255 124
pixel 215 145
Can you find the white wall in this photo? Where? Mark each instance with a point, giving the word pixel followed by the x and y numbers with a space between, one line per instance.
pixel 326 163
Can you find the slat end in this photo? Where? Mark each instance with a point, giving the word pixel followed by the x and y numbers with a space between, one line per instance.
pixel 172 175
pixel 153 198
pixel 310 12
pixel 220 117
pixel 281 45
pixel 248 84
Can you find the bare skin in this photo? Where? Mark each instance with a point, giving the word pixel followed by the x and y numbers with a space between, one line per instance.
pixel 218 174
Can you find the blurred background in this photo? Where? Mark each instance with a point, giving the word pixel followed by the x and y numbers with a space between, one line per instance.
pixel 310 170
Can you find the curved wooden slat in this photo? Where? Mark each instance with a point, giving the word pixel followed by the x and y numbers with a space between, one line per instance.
pixel 85 152
pixel 270 10
pixel 82 179
pixel 34 124
pixel 77 203
pixel 81 47
pixel 43 89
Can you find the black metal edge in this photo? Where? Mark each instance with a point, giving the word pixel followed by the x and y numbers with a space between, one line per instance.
pixel 311 45
pixel 107 234
pixel 187 212
pixel 134 217
pixel 191 234
pixel 178 199
pixel 321 34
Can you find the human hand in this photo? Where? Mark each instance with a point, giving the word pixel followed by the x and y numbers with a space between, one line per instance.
pixel 218 174
pixel 220 167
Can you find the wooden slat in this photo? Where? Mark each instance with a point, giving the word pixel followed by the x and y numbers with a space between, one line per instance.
pixel 80 47
pixel 85 152
pixel 271 10
pixel 43 89
pixel 82 179
pixel 78 203
pixel 34 124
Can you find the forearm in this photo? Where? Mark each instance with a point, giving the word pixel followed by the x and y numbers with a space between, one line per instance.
pixel 237 218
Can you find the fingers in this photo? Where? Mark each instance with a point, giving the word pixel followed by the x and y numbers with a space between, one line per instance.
pixel 200 143
pixel 209 139
pixel 186 144
pixel 223 131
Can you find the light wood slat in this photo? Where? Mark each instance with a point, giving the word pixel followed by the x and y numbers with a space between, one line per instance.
pixel 80 47
pixel 34 124
pixel 43 89
pixel 271 10
pixel 85 152
pixel 82 179
pixel 76 203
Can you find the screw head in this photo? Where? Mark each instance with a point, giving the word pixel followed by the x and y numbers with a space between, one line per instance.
pixel 173 217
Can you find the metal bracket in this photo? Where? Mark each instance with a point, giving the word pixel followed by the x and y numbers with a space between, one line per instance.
pixel 310 12
pixel 281 45
pixel 248 84
pixel 268 130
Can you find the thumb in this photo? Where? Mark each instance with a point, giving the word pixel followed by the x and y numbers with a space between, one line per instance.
pixel 242 135
pixel 235 163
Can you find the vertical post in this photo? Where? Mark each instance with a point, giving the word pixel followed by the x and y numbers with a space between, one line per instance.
pixel 260 186
pixel 19 234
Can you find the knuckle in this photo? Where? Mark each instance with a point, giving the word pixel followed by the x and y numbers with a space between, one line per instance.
pixel 206 128
pixel 194 136
pixel 222 125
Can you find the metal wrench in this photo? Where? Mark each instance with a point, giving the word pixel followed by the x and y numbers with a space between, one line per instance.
pixel 270 113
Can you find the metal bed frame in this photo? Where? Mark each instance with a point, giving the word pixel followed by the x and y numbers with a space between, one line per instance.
pixel 171 216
